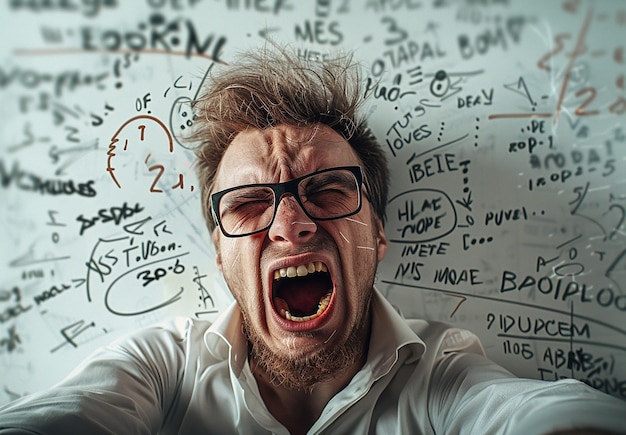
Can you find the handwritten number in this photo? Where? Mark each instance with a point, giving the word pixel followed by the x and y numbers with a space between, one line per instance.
pixel 392 27
pixel 161 169
pixel 463 299
pixel 581 192
pixel 159 273
pixel 609 165
pixel 72 136
pixel 580 110
pixel 142 128
pixel 145 274
pixel 178 268
pixel 558 39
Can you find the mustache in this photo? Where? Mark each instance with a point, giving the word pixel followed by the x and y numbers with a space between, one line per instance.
pixel 321 242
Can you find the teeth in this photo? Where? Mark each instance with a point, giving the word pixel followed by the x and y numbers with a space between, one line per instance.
pixel 323 304
pixel 298 271
pixel 301 270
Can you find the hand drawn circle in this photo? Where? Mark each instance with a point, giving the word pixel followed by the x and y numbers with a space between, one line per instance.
pixel 420 215
pixel 133 138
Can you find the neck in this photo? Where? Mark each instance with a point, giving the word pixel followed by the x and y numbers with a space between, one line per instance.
pixel 304 388
pixel 298 409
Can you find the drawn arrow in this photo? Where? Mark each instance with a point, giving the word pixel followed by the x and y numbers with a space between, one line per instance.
pixel 466 202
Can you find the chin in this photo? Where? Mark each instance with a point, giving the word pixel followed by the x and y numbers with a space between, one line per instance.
pixel 306 360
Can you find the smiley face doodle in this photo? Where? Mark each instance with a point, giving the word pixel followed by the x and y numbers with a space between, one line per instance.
pixel 182 117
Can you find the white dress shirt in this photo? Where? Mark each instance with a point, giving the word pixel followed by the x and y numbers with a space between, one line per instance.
pixel 190 377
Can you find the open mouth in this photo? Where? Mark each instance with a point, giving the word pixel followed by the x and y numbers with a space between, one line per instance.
pixel 302 293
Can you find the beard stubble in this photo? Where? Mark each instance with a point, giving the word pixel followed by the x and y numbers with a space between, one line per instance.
pixel 303 372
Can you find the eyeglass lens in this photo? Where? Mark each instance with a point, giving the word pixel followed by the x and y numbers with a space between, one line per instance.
pixel 324 195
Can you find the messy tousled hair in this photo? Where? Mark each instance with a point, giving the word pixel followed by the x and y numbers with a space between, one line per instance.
pixel 271 86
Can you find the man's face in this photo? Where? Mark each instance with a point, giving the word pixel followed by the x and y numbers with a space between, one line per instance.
pixel 331 301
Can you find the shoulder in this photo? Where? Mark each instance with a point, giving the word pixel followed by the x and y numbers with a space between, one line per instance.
pixel 167 340
pixel 178 328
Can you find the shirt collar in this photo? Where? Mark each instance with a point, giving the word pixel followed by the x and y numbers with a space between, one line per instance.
pixel 225 338
pixel 390 333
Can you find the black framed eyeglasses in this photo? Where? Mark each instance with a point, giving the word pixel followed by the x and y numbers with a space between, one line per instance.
pixel 328 194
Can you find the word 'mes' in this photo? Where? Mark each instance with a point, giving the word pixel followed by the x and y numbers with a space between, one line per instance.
pixel 34 183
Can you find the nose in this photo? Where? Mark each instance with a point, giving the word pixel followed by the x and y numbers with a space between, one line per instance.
pixel 291 224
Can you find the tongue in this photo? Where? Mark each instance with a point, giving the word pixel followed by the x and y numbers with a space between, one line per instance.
pixel 302 295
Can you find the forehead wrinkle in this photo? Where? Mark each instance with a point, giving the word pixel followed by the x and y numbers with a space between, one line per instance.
pixel 285 148
pixel 282 153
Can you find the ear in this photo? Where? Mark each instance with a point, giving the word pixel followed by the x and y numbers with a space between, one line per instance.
pixel 218 257
pixel 218 262
pixel 381 240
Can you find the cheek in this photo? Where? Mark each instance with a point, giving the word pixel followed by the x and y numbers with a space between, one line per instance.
pixel 229 262
pixel 360 233
pixel 232 261
pixel 238 261
pixel 361 245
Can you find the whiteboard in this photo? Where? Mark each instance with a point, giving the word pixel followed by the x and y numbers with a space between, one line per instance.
pixel 504 126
